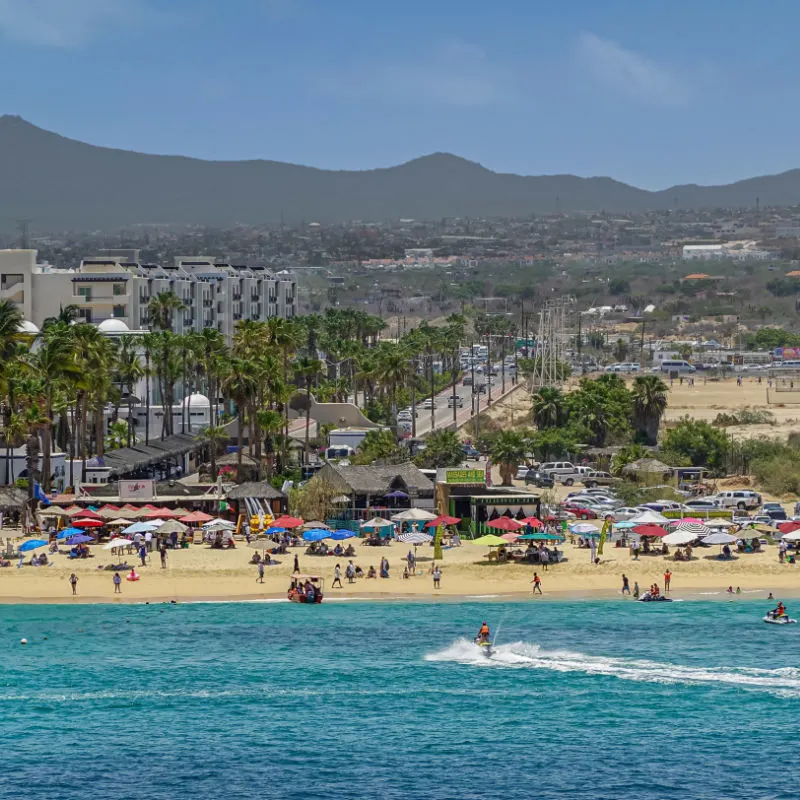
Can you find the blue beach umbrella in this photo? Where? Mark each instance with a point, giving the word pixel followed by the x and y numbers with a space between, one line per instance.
pixel 67 532
pixel 271 531
pixel 32 544
pixel 315 535
pixel 341 534
pixel 79 538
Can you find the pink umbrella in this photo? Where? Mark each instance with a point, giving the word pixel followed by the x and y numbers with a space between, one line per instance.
pixel 87 523
pixel 650 530
pixel 532 521
pixel 688 519
pixel 445 520
pixel 510 536
pixel 505 524
pixel 197 516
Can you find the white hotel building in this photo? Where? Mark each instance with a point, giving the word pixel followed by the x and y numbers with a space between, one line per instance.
pixel 120 288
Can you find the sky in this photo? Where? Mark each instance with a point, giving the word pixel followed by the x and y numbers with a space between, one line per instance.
pixel 649 92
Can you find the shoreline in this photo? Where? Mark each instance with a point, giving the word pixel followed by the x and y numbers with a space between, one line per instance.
pixel 686 594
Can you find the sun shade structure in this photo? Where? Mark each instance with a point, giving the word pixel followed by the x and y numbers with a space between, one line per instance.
pixel 288 522
pixel 677 538
pixel 490 540
pixel 719 538
pixel 505 524
pixel 697 528
pixel 649 530
pixel 415 538
pixel 196 516
pixel 414 515
pixel 444 520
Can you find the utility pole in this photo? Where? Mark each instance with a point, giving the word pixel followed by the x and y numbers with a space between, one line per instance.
pixel 503 366
pixel 475 395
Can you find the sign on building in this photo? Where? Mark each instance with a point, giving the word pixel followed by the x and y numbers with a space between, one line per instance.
pixel 141 489
pixel 463 477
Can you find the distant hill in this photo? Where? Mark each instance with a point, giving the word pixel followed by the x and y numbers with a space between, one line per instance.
pixel 62 183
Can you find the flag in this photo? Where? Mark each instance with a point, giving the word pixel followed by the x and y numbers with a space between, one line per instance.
pixel 39 494
pixel 603 534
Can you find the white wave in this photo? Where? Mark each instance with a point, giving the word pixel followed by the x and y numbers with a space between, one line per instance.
pixel 521 655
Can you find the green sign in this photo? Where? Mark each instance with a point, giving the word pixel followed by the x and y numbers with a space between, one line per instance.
pixel 464 476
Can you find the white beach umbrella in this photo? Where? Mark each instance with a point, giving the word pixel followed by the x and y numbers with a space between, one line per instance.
pixel 719 538
pixel 677 538
pixel 649 517
pixel 718 523
pixel 794 536
pixel 115 543
pixel 119 523
pixel 414 515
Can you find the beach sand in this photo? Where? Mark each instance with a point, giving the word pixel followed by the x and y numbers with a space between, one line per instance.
pixel 199 573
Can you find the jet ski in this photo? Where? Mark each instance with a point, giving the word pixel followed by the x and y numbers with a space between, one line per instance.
pixel 773 619
pixel 485 646
pixel 659 598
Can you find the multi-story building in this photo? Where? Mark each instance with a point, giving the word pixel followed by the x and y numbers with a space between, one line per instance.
pixel 119 287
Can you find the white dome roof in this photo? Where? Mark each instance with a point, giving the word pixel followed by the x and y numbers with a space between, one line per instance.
pixel 197 401
pixel 26 326
pixel 113 326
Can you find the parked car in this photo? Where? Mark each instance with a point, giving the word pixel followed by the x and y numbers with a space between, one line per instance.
pixel 624 513
pixel 539 479
pixel 558 468
pixel 702 504
pixel 663 505
pixel 580 511
pixel 774 511
pixel 597 478
pixel 739 498
pixel 522 472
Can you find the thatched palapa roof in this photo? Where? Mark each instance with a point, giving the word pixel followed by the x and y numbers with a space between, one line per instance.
pixel 258 490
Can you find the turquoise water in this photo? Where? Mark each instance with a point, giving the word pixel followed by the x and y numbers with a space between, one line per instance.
pixel 606 699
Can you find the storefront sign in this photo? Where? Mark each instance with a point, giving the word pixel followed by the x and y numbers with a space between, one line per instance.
pixel 142 489
pixel 456 477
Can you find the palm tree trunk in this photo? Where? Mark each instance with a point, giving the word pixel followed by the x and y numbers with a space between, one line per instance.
pixel 308 418
pixel 72 446
pixel 147 397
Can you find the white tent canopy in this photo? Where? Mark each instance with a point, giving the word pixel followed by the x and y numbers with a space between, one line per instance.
pixel 649 517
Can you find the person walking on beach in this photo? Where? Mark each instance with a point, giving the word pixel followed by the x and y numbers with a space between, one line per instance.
pixel 537 583
pixel 337 577
pixel 73 582
pixel 143 555
pixel 667 579
pixel 296 569
pixel 163 552
pixel 437 577
pixel 635 549
pixel 350 572
pixel 260 578
pixel 593 550
pixel 626 587
pixel 117 583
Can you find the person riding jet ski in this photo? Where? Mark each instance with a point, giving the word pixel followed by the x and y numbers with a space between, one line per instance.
pixel 483 634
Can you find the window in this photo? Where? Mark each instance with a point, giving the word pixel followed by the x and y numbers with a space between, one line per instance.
pixel 10 280
pixel 119 289
pixel 120 311
pixel 85 292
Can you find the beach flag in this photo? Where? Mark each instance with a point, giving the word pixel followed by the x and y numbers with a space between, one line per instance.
pixel 603 534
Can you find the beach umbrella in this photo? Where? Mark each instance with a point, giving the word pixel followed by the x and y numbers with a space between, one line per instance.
pixel 534 522
pixel 67 532
pixel 625 525
pixel 396 495
pixel 315 525
pixel 685 520
pixel 88 523
pixel 584 528
pixel 219 524
pixel 87 513
pixel 316 535
pixel 505 524
pixel 789 527
pixel 697 528
pixel 118 542
pixel 159 513
pixel 342 534
pixel 717 523
pixel 118 523
pixel 142 527
pixel 719 538
pixel 490 540
pixel 443 520
pixel 287 522
pixel 541 537
pixel 55 511
pixel 415 538
pixel 197 516
pixel 414 515
pixel 376 522
pixel 273 531
pixel 510 537
pixel 649 517
pixel 650 530
pixel 792 536
pixel 678 538
pixel 32 544
pixel 173 526
pixel 79 538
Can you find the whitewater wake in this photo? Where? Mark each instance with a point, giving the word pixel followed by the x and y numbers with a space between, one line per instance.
pixel 784 681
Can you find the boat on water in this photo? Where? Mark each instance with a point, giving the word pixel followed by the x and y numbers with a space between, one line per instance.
pixel 647 597
pixel 774 619
pixel 484 646
pixel 306 589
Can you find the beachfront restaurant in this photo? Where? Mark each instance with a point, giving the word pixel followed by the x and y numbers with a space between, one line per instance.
pixel 464 493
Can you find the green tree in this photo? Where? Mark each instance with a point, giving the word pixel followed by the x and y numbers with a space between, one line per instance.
pixel 380 445
pixel 508 451
pixel 307 369
pixel 697 443
pixel 443 448
pixel 650 396
pixel 548 407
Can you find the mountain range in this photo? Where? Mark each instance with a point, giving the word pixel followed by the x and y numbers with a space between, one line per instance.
pixel 65 184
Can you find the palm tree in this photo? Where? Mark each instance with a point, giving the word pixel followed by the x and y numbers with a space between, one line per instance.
pixel 212 437
pixel 162 310
pixel 307 369
pixel 548 407
pixel 508 450
pixel 270 422
pixel 129 371
pixel 393 371
pixel 650 395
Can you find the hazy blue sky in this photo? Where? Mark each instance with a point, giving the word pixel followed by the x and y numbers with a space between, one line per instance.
pixel 650 92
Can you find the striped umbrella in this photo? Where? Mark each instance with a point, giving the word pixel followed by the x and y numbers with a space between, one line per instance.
pixel 415 538
pixel 699 530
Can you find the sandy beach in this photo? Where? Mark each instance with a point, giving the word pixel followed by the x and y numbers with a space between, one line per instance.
pixel 199 573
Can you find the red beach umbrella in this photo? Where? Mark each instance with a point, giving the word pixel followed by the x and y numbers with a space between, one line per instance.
pixel 789 527
pixel 444 520
pixel 650 530
pixel 532 521
pixel 287 522
pixel 87 523
pixel 505 524
pixel 197 516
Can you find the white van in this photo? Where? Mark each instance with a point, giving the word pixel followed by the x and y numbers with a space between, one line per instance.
pixel 560 469
pixel 676 365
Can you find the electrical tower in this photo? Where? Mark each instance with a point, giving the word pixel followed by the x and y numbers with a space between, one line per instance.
pixel 551 343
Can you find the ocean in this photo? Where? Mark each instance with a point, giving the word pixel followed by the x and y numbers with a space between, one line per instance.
pixel 603 699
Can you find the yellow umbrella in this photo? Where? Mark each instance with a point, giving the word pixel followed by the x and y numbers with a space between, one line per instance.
pixel 491 539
